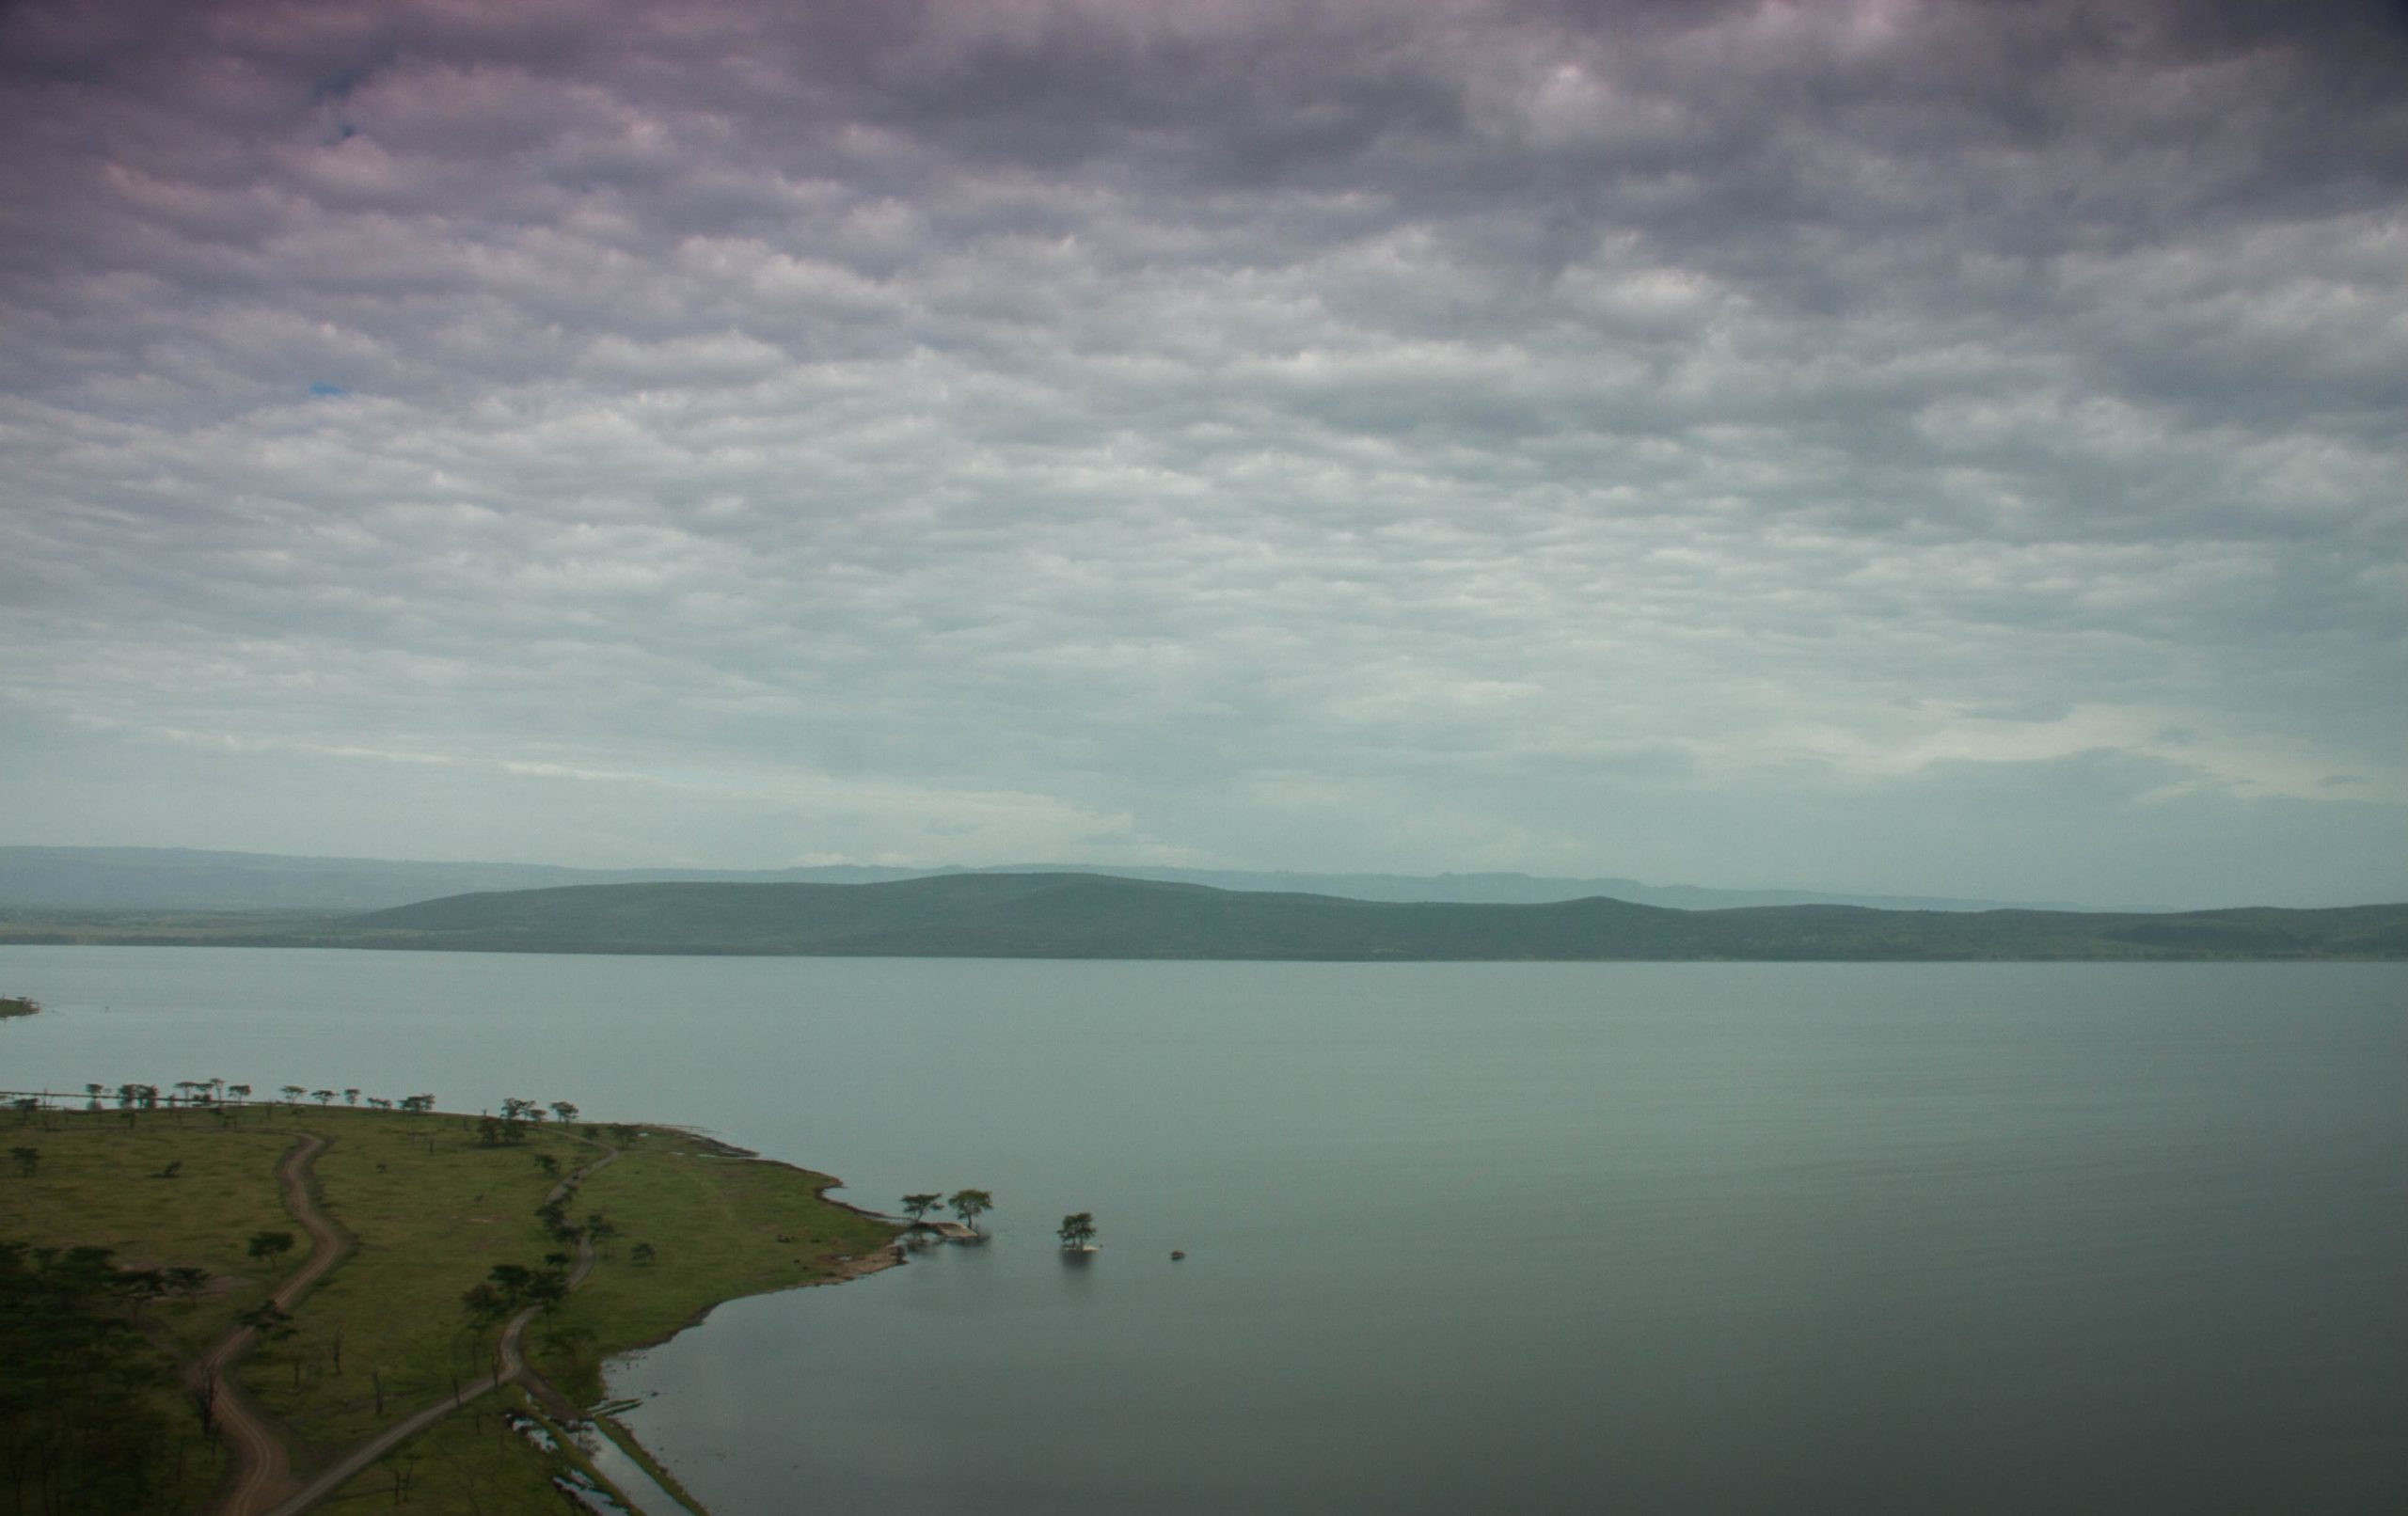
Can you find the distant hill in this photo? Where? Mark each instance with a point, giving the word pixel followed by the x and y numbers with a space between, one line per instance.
pixel 177 878
pixel 1092 916
pixel 45 879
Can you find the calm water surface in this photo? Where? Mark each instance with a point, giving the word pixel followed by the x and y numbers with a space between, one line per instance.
pixel 1657 1238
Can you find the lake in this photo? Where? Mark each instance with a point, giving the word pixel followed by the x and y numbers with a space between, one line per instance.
pixel 1546 1237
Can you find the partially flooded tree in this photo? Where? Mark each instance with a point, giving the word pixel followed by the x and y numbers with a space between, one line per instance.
pixel 970 1205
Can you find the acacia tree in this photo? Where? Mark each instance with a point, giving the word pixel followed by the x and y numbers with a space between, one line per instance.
pixel 918 1207
pixel 970 1205
pixel 1076 1231
pixel 266 1246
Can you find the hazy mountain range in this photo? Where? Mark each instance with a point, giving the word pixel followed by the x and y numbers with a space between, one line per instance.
pixel 1095 916
pixel 161 878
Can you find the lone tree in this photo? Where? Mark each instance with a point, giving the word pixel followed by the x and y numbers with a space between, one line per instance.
pixel 970 1205
pixel 266 1246
pixel 918 1207
pixel 1076 1231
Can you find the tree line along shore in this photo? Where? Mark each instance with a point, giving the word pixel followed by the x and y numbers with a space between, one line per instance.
pixel 141 1230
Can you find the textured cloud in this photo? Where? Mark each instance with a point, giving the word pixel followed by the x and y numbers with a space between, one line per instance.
pixel 1876 445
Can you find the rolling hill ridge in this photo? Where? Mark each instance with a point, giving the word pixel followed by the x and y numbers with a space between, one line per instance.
pixel 1095 916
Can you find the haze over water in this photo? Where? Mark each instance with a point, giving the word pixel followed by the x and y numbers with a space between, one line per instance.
pixel 1549 1237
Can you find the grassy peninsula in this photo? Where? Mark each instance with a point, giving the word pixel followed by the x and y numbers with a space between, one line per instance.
pixel 1098 916
pixel 134 1236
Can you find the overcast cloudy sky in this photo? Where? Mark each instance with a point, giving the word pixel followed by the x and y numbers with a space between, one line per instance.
pixel 1868 445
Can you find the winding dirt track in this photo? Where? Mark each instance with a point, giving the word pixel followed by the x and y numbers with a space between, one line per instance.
pixel 298 1499
pixel 262 1468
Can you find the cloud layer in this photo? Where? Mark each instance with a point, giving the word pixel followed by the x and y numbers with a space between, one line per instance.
pixel 1881 445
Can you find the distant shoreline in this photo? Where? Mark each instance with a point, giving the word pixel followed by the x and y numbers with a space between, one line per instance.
pixel 1085 916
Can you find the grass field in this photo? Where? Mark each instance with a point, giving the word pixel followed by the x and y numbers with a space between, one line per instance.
pixel 433 1207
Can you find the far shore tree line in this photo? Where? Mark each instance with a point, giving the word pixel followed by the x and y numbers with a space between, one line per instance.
pixel 224 1099
pixel 216 1096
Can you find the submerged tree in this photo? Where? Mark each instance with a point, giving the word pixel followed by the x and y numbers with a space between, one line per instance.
pixel 1077 1230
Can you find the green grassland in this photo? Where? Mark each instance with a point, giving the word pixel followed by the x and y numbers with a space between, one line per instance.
pixel 432 1207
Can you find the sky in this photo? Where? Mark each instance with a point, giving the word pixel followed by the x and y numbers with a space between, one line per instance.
pixel 1900 445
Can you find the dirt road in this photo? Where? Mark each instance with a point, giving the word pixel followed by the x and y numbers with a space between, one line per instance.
pixel 513 1365
pixel 262 1470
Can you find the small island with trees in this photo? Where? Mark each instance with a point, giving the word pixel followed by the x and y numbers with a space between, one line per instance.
pixel 18 1006
pixel 215 1302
